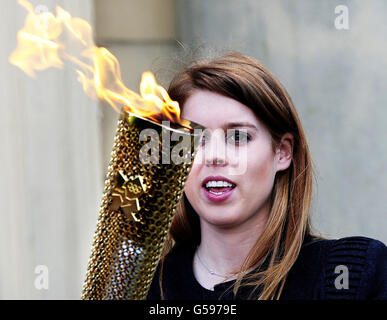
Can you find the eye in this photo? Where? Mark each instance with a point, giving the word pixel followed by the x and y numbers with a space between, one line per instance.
pixel 238 136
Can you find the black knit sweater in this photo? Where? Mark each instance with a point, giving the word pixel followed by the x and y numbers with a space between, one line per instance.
pixel 312 277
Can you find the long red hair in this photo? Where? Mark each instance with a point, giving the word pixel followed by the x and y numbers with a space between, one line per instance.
pixel 246 80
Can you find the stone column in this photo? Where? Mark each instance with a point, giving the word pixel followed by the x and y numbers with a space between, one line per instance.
pixel 51 180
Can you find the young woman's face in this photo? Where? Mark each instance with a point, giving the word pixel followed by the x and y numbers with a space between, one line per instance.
pixel 243 158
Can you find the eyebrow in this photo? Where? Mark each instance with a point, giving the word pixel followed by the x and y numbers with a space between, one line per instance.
pixel 240 124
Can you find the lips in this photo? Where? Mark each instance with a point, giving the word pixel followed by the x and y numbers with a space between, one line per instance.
pixel 218 194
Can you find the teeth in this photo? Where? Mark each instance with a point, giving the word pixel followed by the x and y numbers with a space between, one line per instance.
pixel 219 184
pixel 217 193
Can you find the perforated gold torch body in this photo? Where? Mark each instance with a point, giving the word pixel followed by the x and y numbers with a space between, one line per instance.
pixel 140 197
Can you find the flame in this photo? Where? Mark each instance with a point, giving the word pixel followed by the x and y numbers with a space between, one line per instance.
pixel 42 44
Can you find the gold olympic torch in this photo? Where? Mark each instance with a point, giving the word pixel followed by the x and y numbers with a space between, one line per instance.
pixel 146 177
pixel 137 208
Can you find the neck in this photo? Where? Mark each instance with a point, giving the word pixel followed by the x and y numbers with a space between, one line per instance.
pixel 225 249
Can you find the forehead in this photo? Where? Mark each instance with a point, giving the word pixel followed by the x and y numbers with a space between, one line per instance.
pixel 213 110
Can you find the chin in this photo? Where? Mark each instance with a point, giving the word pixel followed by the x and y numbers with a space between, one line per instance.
pixel 222 220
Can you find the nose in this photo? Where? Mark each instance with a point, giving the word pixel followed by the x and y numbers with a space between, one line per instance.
pixel 215 161
pixel 215 149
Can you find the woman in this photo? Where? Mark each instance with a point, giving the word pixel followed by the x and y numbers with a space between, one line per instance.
pixel 242 229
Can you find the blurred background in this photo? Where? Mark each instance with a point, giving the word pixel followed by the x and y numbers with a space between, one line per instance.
pixel 56 141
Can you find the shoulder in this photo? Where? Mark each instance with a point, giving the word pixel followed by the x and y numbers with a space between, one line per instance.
pixel 347 268
pixel 356 268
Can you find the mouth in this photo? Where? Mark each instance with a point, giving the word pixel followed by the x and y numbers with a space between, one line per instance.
pixel 218 188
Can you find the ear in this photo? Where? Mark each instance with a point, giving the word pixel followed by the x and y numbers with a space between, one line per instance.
pixel 284 152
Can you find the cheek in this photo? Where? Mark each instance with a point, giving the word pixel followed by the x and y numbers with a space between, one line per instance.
pixel 192 181
pixel 260 170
